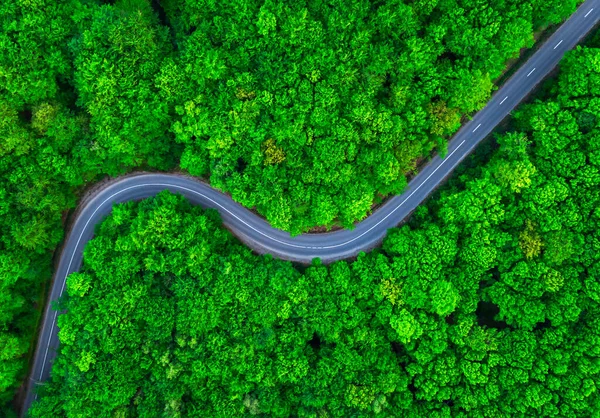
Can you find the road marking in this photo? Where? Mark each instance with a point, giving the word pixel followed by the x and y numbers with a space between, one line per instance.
pixel 173 186
pixel 530 72
pixel 503 100
pixel 477 127
pixel 588 13
pixel 561 41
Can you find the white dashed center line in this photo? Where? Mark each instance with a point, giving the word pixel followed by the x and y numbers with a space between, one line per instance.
pixel 561 41
pixel 503 100
pixel 530 72
pixel 588 13
pixel 477 127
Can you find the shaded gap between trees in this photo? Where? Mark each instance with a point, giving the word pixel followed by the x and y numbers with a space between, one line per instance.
pixel 164 20
pixel 486 315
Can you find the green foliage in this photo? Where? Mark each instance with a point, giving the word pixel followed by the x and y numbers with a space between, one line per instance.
pixel 349 101
pixel 171 314
pixel 117 59
pixel 77 99
pixel 486 304
pixel 36 130
pixel 324 98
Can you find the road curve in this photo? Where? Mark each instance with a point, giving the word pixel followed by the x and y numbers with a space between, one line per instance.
pixel 260 236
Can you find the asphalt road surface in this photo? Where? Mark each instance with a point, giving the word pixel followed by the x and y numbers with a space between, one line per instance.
pixel 260 236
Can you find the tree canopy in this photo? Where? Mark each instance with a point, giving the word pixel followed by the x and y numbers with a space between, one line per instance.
pixel 487 303
pixel 298 110
pixel 348 95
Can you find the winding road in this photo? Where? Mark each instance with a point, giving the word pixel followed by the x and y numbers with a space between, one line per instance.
pixel 260 236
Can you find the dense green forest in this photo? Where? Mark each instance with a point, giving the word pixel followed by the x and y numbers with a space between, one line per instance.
pixel 486 304
pixel 306 110
pixel 298 109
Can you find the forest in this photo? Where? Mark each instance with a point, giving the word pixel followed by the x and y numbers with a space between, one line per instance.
pixel 301 112
pixel 486 303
